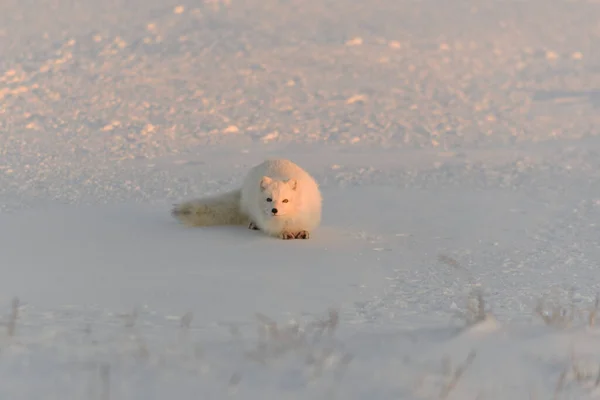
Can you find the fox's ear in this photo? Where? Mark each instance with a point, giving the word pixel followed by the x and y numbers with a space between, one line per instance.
pixel 292 183
pixel 264 182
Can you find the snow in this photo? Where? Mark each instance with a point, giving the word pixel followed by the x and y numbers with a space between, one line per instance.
pixel 125 257
pixel 457 149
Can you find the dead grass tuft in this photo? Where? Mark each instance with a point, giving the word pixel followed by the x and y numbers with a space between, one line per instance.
pixel 11 326
pixel 311 343
pixel 476 307
pixel 559 314
pixel 581 371
pixel 455 374
pixel 275 341
pixel 105 382
pixel 475 311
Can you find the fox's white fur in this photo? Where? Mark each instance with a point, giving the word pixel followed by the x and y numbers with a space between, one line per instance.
pixel 277 197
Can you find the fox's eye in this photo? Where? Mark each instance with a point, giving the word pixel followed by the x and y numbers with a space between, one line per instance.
pixel 285 200
pixel 269 199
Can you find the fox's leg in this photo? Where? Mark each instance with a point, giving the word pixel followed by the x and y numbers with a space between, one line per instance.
pixel 253 226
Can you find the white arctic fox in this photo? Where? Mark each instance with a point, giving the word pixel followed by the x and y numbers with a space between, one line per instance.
pixel 277 197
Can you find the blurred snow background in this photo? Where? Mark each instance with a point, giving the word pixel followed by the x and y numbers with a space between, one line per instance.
pixel 457 146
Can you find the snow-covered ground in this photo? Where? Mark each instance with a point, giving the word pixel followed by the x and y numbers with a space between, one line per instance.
pixel 457 147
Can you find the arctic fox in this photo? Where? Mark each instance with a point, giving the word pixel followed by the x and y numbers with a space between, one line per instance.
pixel 277 197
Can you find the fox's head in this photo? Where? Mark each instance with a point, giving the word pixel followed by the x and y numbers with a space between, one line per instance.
pixel 279 197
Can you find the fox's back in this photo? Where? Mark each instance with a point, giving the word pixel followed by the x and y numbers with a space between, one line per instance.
pixel 280 169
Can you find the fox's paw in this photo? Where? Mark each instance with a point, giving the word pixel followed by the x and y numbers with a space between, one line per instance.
pixel 302 235
pixel 298 235
pixel 180 209
pixel 253 226
pixel 287 235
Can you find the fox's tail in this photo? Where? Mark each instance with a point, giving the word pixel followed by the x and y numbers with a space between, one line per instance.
pixel 221 209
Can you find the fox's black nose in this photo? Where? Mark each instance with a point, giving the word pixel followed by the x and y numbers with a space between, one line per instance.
pixel 274 210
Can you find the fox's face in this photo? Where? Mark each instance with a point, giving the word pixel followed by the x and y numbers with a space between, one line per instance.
pixel 278 196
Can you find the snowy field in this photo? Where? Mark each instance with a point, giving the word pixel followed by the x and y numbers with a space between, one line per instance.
pixel 458 150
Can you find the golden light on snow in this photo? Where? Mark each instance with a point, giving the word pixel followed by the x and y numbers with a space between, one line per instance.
pixel 394 44
pixel 231 129
pixel 357 41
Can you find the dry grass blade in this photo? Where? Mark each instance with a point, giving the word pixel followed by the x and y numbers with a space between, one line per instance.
pixel 105 381
pixel 344 362
pixel 578 373
pixel 328 325
pixel 235 379
pixel 186 320
pixel 273 340
pixel 560 384
pixel 310 340
pixel 130 319
pixel 458 373
pixel 555 314
pixel 560 315
pixel 476 310
pixel 449 261
pixel 594 311
pixel 142 349
pixel 14 316
pixel 453 263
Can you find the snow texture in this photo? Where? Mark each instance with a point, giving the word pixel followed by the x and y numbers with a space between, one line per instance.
pixel 457 147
